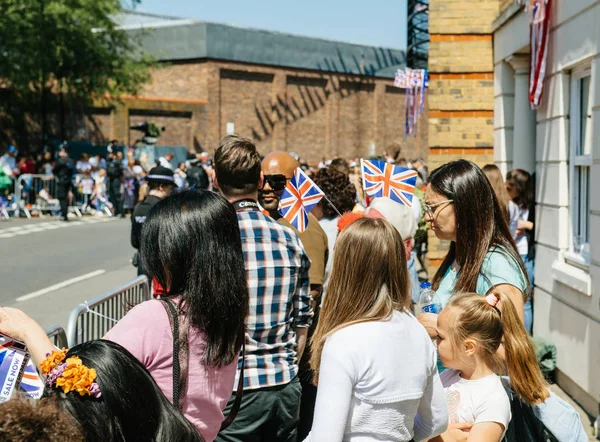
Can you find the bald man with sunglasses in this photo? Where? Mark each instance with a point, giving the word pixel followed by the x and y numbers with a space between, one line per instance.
pixel 278 168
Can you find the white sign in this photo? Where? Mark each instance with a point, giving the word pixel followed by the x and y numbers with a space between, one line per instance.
pixel 230 128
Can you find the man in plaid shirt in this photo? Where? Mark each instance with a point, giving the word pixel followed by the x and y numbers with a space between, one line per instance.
pixel 280 311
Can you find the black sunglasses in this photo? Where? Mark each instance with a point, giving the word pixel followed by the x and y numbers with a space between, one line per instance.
pixel 277 182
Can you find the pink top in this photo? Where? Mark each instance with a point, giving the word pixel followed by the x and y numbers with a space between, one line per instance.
pixel 145 331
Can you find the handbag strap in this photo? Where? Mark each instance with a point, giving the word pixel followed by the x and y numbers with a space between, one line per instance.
pixel 180 354
pixel 239 392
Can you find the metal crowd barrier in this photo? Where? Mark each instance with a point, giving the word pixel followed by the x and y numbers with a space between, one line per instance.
pixel 36 194
pixel 93 319
pixel 57 335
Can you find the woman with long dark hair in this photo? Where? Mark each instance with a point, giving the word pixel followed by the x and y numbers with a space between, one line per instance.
pixel 191 246
pixel 364 337
pixel 130 406
pixel 461 207
pixel 104 388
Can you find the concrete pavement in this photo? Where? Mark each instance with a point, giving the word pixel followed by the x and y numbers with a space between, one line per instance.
pixel 48 267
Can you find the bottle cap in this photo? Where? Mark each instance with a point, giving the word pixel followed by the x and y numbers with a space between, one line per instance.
pixel 426 285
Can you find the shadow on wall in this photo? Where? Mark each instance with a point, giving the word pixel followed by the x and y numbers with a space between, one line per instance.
pixel 314 92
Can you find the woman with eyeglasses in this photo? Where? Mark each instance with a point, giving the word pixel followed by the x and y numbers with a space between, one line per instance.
pixel 461 207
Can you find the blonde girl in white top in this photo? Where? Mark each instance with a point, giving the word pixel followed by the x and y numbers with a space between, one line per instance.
pixel 470 331
pixel 375 366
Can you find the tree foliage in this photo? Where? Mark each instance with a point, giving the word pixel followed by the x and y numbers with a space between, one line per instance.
pixel 67 46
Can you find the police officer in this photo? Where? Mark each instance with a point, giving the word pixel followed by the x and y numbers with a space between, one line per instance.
pixel 114 172
pixel 63 173
pixel 160 185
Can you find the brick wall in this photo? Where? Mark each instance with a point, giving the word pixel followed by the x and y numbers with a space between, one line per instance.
pixel 461 129
pixel 462 92
pixel 177 124
pixel 310 113
pixel 458 53
pixel 461 87
pixel 459 17
pixel 98 124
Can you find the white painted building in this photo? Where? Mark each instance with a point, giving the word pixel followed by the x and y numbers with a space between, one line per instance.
pixel 560 142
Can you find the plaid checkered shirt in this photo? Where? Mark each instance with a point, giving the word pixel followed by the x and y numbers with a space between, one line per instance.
pixel 277 270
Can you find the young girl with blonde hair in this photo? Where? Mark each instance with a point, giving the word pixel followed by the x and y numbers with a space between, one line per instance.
pixel 374 364
pixel 470 331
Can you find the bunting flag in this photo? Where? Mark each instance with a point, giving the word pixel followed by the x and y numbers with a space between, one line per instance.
pixel 540 33
pixel 539 19
pixel 415 81
pixel 299 197
pixel 381 179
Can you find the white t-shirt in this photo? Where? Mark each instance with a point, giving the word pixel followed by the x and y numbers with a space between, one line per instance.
pixel 83 166
pixel 165 163
pixel 379 381
pixel 479 400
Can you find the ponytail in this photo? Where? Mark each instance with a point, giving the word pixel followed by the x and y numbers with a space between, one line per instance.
pixel 493 320
pixel 525 375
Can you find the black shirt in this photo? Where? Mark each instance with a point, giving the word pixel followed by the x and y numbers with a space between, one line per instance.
pixel 64 169
pixel 138 218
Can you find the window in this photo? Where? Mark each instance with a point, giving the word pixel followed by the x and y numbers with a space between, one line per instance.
pixel 580 165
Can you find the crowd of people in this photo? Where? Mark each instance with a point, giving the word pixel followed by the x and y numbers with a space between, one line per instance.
pixel 105 183
pixel 264 333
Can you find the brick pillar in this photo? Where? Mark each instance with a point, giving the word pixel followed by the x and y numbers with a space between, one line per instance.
pixel 461 92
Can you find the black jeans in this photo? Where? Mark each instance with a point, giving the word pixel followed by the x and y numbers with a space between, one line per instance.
pixel 114 196
pixel 62 194
pixel 266 414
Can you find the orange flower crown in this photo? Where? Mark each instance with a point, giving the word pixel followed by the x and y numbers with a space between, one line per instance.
pixel 69 374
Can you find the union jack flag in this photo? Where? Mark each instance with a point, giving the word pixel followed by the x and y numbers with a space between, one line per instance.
pixel 402 79
pixel 298 199
pixel 31 383
pixel 381 179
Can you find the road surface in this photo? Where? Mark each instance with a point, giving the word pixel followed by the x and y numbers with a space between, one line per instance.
pixel 48 266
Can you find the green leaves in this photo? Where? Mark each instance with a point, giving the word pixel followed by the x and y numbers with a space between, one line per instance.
pixel 68 46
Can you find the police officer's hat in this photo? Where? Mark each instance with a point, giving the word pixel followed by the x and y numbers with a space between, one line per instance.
pixel 160 175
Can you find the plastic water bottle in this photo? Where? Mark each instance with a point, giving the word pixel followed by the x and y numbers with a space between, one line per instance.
pixel 429 302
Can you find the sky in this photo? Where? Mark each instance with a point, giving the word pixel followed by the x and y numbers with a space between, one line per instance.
pixel 380 23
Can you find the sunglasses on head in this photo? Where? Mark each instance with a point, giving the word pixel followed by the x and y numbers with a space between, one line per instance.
pixel 276 182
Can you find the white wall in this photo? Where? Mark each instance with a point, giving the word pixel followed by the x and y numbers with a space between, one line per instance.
pixel 567 308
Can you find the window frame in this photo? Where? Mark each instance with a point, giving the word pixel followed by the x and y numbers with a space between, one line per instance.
pixel 580 163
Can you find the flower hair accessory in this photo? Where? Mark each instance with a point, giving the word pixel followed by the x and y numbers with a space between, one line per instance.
pixel 69 374
pixel 492 299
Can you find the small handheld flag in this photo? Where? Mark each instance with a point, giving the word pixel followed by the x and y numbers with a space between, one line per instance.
pixel 298 199
pixel 381 179
pixel 32 384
